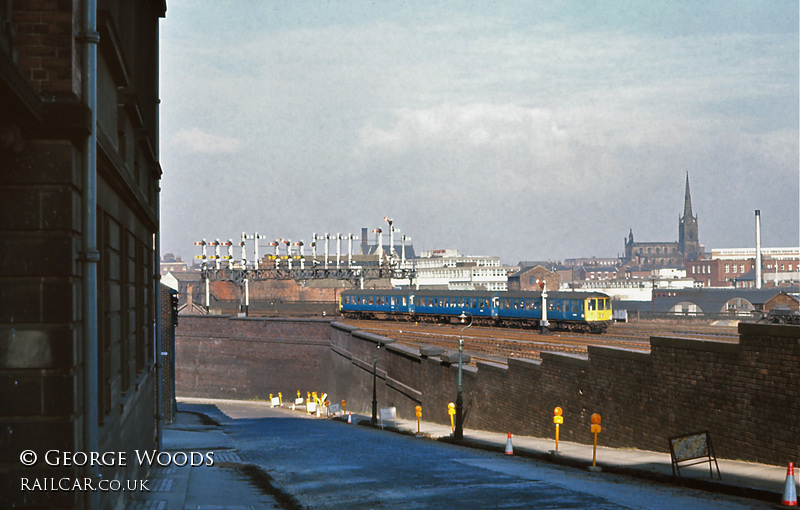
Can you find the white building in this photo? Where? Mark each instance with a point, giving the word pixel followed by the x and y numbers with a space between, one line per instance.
pixel 448 269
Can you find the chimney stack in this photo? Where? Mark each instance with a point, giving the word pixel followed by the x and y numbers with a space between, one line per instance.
pixel 758 249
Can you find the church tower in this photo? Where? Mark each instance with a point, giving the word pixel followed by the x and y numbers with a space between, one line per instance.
pixel 688 239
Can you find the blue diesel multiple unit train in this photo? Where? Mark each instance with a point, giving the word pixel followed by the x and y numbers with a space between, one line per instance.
pixel 580 311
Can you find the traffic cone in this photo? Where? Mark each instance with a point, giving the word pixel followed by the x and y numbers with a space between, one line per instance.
pixel 509 448
pixel 790 491
pixel 349 417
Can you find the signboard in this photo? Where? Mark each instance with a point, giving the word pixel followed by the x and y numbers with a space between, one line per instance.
pixel 276 402
pixel 335 408
pixel 690 449
pixel 388 414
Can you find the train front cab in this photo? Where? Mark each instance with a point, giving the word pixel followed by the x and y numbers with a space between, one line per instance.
pixel 598 312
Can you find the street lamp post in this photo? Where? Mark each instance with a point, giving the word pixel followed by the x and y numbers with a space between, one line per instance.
pixel 374 388
pixel 459 430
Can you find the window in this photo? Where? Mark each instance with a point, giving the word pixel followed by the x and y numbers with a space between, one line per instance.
pixel 741 268
pixel 727 268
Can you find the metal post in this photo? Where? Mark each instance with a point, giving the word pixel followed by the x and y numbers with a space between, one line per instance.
pixel 459 430
pixel 375 388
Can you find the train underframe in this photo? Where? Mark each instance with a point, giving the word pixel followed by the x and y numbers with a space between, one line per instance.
pixel 553 325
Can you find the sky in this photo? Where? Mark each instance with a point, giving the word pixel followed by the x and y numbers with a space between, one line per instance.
pixel 528 130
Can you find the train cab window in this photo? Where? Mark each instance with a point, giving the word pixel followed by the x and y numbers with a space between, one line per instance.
pixel 601 304
pixel 592 305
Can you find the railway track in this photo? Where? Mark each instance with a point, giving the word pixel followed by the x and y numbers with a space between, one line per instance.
pixel 498 344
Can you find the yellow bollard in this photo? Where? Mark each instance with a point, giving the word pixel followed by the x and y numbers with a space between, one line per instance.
pixel 451 410
pixel 558 420
pixel 418 412
pixel 270 400
pixel 343 408
pixel 280 398
pixel 595 430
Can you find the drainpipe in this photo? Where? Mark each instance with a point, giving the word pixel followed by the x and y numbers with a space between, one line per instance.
pixel 89 38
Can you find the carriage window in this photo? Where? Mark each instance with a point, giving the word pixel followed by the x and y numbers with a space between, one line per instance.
pixel 370 299
pixel 558 305
pixel 551 306
pixel 576 306
pixel 405 301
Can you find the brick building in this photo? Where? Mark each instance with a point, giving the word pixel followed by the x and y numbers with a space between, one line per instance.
pixel 80 223
pixel 736 267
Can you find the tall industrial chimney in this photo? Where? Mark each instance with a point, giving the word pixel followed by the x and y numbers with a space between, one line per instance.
pixel 758 249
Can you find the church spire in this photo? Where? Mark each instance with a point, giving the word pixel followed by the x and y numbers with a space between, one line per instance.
pixel 687 202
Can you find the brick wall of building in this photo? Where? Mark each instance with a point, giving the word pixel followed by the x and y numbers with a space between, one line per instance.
pixel 45 124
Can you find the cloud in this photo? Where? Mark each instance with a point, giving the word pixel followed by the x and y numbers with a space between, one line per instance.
pixel 196 140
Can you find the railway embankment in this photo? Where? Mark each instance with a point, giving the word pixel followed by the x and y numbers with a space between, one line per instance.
pixel 745 393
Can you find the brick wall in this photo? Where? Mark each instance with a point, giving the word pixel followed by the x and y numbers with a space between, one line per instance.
pixel 746 394
pixel 246 358
pixel 169 318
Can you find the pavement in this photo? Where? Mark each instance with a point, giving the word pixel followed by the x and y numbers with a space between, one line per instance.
pixel 233 483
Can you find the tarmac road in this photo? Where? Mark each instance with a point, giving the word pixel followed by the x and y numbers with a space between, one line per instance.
pixel 319 463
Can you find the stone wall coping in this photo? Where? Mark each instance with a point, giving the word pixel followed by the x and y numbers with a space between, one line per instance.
pixel 342 352
pixel 409 352
pixel 452 357
pixel 773 330
pixel 281 319
pixel 565 358
pixel 693 344
pixel 619 353
pixel 343 327
pixel 371 337
pixel 490 365
pixel 431 350
pixel 524 363
pixel 410 392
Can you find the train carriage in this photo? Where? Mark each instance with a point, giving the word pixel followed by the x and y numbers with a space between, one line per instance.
pixel 445 305
pixel 581 311
pixel 374 304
